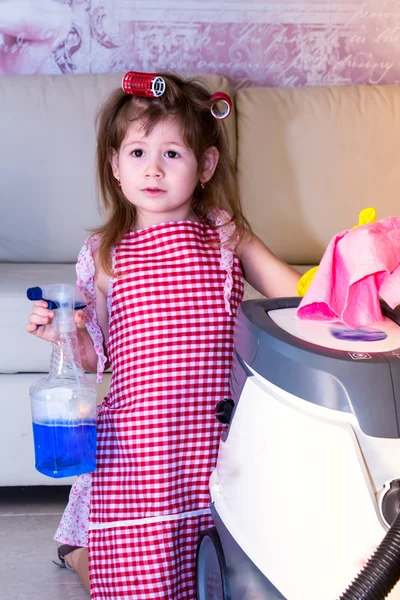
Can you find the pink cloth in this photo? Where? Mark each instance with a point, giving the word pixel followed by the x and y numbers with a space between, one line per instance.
pixel 358 266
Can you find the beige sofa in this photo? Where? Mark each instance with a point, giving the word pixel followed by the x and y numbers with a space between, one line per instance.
pixel 308 160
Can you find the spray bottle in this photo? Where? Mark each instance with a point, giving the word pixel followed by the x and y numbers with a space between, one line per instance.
pixel 64 403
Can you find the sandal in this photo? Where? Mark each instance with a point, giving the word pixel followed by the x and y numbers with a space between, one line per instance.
pixel 62 552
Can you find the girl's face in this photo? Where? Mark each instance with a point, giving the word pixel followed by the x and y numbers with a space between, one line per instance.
pixel 158 172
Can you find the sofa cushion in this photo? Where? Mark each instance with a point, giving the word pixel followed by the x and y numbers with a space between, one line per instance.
pixel 19 351
pixel 47 171
pixel 309 159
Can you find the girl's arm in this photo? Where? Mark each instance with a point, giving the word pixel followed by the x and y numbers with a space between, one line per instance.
pixel 263 270
pixel 88 355
pixel 43 316
pixel 101 285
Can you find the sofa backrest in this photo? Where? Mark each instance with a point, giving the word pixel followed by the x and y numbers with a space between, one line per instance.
pixel 309 159
pixel 47 171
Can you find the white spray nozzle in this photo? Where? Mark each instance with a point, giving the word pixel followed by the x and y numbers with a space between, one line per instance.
pixel 66 297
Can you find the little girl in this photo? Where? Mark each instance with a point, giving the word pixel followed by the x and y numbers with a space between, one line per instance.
pixel 163 281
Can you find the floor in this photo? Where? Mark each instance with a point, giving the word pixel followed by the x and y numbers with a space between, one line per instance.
pixel 28 520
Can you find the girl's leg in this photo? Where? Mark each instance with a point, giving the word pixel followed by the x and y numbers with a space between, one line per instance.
pixel 78 561
pixel 73 529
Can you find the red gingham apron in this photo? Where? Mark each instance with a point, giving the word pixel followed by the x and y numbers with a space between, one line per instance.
pixel 170 347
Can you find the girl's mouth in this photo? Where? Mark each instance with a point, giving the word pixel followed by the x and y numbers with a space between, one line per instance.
pixel 153 191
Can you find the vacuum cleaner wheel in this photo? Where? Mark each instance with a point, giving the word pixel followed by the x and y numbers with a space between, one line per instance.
pixel 211 576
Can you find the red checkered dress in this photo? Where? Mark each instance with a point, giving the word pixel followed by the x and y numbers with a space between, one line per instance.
pixel 170 347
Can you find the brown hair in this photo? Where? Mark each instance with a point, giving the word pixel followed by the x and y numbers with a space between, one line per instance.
pixel 189 102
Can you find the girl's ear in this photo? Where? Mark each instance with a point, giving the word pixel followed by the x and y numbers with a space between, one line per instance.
pixel 115 163
pixel 209 164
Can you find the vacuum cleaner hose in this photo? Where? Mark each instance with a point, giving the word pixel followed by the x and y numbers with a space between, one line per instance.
pixel 382 571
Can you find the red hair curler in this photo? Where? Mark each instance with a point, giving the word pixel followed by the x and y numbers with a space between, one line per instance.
pixel 149 85
pixel 220 97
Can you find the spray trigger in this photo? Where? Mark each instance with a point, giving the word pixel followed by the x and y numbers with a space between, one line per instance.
pixel 36 293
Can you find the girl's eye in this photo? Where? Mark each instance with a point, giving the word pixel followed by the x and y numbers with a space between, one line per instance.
pixel 172 154
pixel 137 153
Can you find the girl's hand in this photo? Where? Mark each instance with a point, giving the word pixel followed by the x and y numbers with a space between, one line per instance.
pixel 42 316
pixel 41 321
pixel 80 319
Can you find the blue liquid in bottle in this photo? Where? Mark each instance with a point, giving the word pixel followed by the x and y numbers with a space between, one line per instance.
pixel 63 449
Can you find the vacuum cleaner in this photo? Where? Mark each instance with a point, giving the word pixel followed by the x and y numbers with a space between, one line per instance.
pixel 305 495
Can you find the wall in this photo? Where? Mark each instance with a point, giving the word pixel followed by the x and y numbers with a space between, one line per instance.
pixel 264 43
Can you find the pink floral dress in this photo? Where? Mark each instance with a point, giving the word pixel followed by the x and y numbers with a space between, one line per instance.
pixel 171 319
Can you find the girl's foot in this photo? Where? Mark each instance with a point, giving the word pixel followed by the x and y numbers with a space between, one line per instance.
pixel 75 559
pixel 65 556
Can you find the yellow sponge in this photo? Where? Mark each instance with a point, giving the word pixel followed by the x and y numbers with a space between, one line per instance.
pixel 368 215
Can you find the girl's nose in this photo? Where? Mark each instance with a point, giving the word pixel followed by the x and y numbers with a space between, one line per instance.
pixel 154 170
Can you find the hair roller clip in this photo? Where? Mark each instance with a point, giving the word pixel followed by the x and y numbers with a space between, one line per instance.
pixel 221 98
pixel 149 85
